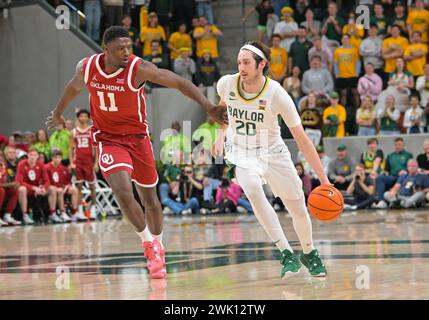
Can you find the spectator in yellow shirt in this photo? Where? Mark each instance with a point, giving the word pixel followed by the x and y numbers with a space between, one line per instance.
pixel 415 55
pixel 347 69
pixel 278 62
pixel 153 31
pixel 418 20
pixel 179 39
pixel 206 37
pixel 334 117
pixel 354 30
pixel 393 48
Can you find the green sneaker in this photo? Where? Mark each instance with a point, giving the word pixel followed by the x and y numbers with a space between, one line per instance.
pixel 290 263
pixel 313 263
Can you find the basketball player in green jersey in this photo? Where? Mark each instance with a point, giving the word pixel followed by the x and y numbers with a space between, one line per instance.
pixel 259 155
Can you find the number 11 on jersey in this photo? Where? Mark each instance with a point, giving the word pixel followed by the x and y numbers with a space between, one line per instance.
pixel 111 96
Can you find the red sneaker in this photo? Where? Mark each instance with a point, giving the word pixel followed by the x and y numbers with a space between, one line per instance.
pixel 155 257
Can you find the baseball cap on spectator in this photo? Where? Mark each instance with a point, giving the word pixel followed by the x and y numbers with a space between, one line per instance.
pixel 341 147
pixel 21 154
pixel 334 95
pixel 320 149
pixel 17 133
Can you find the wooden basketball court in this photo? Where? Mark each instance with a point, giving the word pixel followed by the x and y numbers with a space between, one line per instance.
pixel 370 255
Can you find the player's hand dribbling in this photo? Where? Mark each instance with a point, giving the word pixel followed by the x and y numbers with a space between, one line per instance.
pixel 325 182
pixel 53 120
pixel 219 113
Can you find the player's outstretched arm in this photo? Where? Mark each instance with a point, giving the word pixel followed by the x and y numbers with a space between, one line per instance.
pixel 218 145
pixel 71 91
pixel 283 104
pixel 148 71
pixel 71 147
pixel 307 148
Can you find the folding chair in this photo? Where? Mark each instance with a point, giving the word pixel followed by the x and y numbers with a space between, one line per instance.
pixel 105 200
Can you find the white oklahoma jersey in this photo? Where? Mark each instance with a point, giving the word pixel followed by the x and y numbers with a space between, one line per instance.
pixel 253 137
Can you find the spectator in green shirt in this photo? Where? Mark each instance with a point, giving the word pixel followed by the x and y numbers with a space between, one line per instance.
pixel 372 158
pixel 169 182
pixel 172 172
pixel 380 20
pixel 60 139
pixel 298 53
pixel 161 60
pixel 396 166
pixel 399 18
pixel 207 133
pixel 42 144
pixel 332 26
pixel 175 143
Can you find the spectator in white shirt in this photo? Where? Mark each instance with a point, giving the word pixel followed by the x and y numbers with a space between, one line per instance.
pixel 370 49
pixel 413 118
pixel 317 79
pixel 422 86
pixel 287 28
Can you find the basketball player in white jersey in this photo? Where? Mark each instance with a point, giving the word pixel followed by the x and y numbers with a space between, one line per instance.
pixel 257 154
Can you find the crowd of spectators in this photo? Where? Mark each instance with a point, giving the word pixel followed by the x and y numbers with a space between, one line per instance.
pixel 37 176
pixel 374 180
pixel 176 35
pixel 38 184
pixel 366 81
pixel 317 47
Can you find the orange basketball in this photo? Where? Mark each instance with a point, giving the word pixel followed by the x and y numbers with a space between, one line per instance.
pixel 325 203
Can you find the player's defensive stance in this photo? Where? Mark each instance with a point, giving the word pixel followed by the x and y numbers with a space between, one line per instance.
pixel 115 80
pixel 258 154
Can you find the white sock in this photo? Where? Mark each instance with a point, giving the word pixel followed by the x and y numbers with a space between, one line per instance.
pixel 145 235
pixel 301 222
pixel 158 238
pixel 252 186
